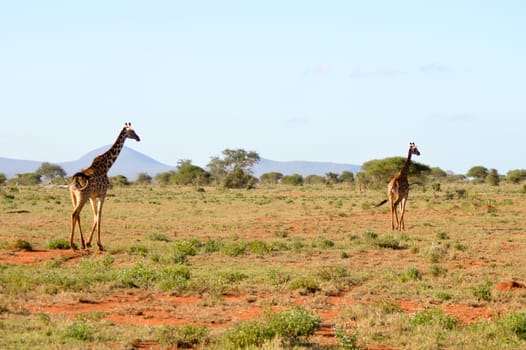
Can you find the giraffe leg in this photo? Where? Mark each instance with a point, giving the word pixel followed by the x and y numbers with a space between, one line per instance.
pixel 96 205
pixel 402 212
pixel 75 219
pixel 93 202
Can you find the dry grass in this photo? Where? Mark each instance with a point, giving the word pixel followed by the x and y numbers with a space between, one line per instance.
pixel 176 257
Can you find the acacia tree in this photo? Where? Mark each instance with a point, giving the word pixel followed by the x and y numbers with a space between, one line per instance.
pixel 478 172
pixel 49 172
pixel 380 171
pixel 234 169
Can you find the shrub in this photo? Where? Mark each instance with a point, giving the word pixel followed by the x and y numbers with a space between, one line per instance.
pixel 139 276
pixel 306 285
pixel 175 278
pixel 483 291
pixel 246 334
pixel 293 324
pixel 348 339
pixel 79 330
pixel 186 336
pixel 411 274
pixel 434 317
pixel 516 323
pixel 58 243
pixel 159 237
pixel 234 249
pixel 390 242
pixel 437 270
pixel 21 244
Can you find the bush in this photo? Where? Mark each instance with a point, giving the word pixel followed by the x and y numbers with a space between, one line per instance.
pixel 21 244
pixel 516 323
pixel 79 330
pixel 186 336
pixel 289 325
pixel 248 333
pixel 293 324
pixel 58 243
pixel 306 285
pixel 434 317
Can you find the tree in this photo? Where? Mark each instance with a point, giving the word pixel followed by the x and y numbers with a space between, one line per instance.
pixel 49 172
pixel 314 180
pixel 3 179
pixel 165 178
pixel 143 179
pixel 294 179
pixel 234 169
pixel 271 178
pixel 26 179
pixel 493 178
pixel 346 176
pixel 188 174
pixel 331 178
pixel 516 176
pixel 119 181
pixel 382 170
pixel 478 173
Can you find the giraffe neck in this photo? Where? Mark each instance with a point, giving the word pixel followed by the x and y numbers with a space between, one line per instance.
pixel 104 162
pixel 405 169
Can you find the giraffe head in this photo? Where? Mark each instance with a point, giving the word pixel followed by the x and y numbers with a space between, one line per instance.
pixel 413 149
pixel 130 132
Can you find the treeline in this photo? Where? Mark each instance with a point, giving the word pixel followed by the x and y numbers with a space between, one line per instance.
pixel 234 170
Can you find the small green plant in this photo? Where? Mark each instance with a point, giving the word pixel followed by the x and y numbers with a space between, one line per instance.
pixel 434 317
pixel 58 243
pixel 159 237
pixel 435 253
pixel 278 277
pixel 138 250
pixel 213 245
pixel 293 324
pixel 437 270
pixel 186 336
pixel 370 235
pixel 21 244
pixel 247 334
pixel 411 274
pixel 389 242
pixel 305 285
pixel 516 323
pixel 79 330
pixel 259 247
pixel 348 338
pixel 442 235
pixel 234 249
pixel 483 291
pixel 139 276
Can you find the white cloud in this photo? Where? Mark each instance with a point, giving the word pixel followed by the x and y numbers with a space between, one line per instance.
pixel 433 68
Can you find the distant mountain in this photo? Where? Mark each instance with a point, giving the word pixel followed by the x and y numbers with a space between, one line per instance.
pixel 11 167
pixel 302 168
pixel 130 163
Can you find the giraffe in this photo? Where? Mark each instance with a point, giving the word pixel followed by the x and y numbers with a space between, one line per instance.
pixel 92 183
pixel 398 191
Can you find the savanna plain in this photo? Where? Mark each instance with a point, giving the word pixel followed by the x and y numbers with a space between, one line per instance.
pixel 276 267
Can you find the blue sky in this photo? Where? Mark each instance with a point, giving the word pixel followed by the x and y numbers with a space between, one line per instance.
pixel 337 81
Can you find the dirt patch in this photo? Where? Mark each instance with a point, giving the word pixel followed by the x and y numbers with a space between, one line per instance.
pixel 508 286
pixel 40 256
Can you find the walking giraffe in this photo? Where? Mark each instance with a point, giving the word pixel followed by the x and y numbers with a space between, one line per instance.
pixel 92 183
pixel 398 191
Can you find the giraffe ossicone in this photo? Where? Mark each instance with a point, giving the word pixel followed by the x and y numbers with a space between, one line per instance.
pixel 92 184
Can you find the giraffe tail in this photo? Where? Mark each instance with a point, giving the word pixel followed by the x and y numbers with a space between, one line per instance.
pixel 381 203
pixel 80 181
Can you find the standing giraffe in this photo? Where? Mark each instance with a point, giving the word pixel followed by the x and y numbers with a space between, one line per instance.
pixel 92 183
pixel 398 191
